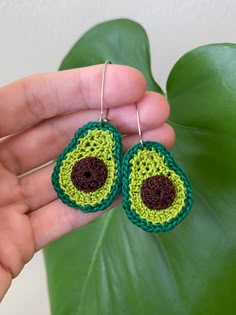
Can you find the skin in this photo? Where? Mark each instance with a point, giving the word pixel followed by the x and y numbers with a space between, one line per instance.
pixel 38 117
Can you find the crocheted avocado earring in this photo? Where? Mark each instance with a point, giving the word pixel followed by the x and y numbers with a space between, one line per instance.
pixel 156 193
pixel 87 175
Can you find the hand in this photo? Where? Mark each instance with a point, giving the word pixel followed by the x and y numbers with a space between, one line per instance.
pixel 38 117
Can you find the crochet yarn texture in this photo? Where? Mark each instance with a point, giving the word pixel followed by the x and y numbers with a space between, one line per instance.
pixel 87 175
pixel 156 193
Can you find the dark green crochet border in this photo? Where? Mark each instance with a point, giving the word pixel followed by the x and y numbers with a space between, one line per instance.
pixel 72 145
pixel 169 160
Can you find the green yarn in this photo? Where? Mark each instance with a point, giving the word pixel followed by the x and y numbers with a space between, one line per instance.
pixel 103 141
pixel 95 139
pixel 146 163
pixel 97 143
pixel 142 162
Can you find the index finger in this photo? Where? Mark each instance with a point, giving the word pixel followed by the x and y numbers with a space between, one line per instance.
pixel 39 97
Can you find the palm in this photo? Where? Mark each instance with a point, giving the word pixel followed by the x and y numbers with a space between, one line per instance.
pixel 39 116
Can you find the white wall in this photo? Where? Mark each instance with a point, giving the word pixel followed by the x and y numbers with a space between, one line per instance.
pixel 35 35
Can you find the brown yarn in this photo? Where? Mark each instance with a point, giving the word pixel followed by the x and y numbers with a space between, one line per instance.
pixel 157 192
pixel 89 174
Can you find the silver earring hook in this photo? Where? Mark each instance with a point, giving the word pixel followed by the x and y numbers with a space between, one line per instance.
pixel 138 123
pixel 102 91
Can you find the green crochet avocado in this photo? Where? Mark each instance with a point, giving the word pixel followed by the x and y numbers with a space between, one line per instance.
pixel 87 175
pixel 156 193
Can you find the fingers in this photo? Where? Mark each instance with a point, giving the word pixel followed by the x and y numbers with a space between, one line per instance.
pixel 164 134
pixel 6 280
pixel 44 142
pixel 153 110
pixel 33 99
pixel 38 190
pixel 56 219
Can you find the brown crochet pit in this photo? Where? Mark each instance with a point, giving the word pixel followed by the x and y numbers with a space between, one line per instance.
pixel 89 174
pixel 158 192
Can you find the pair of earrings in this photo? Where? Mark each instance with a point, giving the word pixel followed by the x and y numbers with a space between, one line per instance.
pixel 90 172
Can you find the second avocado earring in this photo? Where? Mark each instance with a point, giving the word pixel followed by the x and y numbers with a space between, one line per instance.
pixel 87 175
pixel 156 193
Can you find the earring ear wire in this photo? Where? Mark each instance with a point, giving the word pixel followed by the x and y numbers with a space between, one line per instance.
pixel 102 92
pixel 138 123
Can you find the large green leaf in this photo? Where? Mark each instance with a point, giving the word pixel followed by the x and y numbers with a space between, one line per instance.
pixel 121 41
pixel 110 267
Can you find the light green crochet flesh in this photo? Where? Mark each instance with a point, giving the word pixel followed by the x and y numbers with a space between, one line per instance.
pixel 147 163
pixel 96 143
